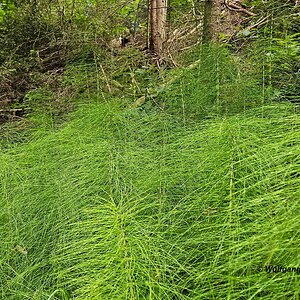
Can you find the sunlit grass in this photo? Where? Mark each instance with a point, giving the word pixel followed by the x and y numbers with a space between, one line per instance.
pixel 127 205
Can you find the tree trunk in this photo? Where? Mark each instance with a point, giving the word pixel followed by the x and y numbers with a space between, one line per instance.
pixel 153 25
pixel 221 17
pixel 158 20
pixel 207 22
pixel 161 25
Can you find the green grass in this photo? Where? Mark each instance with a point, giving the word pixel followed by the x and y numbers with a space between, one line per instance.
pixel 121 204
pixel 213 82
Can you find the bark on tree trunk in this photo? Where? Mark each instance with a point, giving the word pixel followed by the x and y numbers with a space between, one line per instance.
pixel 158 20
pixel 161 25
pixel 207 26
pixel 153 25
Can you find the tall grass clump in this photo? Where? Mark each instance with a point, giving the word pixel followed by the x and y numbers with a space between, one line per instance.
pixel 121 204
pixel 213 83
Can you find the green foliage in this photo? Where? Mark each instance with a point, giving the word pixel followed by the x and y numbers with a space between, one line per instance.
pixel 284 64
pixel 277 57
pixel 215 83
pixel 43 108
pixel 6 7
pixel 127 205
pixel 43 36
pixel 275 51
pixel 190 202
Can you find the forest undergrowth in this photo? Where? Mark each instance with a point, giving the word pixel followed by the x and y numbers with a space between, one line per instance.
pixel 196 198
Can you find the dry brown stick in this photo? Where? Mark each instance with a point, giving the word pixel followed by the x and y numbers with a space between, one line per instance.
pixel 190 32
pixel 172 59
pixel 11 110
pixel 105 77
pixel 191 46
pixel 237 8
pixel 177 34
pixel 260 22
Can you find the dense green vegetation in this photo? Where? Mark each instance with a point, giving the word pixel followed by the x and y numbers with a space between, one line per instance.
pixel 128 181
pixel 125 205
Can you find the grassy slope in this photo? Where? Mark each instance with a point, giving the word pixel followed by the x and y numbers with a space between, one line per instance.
pixel 127 205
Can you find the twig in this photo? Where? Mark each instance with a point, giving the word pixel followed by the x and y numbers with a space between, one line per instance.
pixel 259 22
pixel 11 110
pixel 237 8
pixel 191 32
pixel 189 47
pixel 172 59
pixel 105 77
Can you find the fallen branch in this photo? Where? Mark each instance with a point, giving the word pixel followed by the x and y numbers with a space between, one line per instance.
pixel 11 110
pixel 189 47
pixel 190 32
pixel 12 113
pixel 261 21
pixel 237 8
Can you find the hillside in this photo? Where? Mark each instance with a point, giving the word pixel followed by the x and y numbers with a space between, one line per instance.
pixel 131 175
